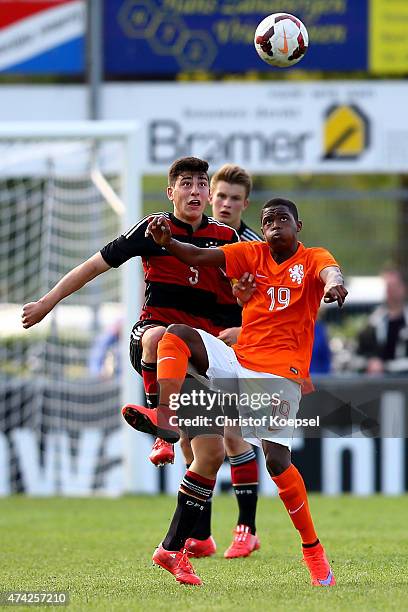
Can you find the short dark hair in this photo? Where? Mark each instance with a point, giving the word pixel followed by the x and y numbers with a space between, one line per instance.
pixel 281 202
pixel 187 164
pixel 234 175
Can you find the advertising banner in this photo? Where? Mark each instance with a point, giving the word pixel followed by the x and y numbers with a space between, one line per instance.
pixel 164 37
pixel 55 442
pixel 388 37
pixel 42 37
pixel 330 127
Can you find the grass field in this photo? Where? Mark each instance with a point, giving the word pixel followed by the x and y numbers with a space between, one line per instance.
pixel 99 550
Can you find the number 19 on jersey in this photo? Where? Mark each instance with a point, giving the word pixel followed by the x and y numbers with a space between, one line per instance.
pixel 280 298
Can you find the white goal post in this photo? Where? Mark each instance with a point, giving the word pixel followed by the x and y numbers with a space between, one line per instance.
pixel 84 168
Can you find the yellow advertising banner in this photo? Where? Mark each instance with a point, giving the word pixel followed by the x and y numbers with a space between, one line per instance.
pixel 388 47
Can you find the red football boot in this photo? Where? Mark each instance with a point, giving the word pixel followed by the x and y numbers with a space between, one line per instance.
pixel 176 563
pixel 162 453
pixel 155 421
pixel 200 548
pixel 243 544
pixel 320 571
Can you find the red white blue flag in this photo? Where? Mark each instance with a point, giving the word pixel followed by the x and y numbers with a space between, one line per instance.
pixel 42 36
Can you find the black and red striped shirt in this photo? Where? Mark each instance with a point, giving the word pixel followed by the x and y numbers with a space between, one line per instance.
pixel 175 292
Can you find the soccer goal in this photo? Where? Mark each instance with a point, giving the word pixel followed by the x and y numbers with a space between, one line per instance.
pixel 66 189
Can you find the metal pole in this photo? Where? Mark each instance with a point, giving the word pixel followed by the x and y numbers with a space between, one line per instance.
pixel 94 48
pixel 139 476
pixel 94 56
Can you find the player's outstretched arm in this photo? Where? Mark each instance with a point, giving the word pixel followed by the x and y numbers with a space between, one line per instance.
pixel 334 289
pixel 160 231
pixel 34 312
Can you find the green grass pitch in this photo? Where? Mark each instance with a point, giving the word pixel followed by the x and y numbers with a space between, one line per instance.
pixel 99 550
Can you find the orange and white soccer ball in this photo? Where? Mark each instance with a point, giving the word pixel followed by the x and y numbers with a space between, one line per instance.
pixel 281 40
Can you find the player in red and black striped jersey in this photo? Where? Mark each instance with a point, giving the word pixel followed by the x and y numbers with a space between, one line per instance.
pixel 177 293
pixel 174 292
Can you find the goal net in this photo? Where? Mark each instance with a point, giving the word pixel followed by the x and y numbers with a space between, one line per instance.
pixel 65 191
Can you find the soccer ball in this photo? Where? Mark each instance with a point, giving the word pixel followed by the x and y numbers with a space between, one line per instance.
pixel 281 40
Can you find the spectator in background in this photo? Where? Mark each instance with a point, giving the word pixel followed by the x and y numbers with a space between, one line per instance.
pixel 383 343
pixel 104 358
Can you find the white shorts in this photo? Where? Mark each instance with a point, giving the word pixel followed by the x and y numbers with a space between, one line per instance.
pixel 265 401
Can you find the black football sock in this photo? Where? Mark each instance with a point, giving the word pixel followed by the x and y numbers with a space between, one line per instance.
pixel 192 496
pixel 202 529
pixel 244 476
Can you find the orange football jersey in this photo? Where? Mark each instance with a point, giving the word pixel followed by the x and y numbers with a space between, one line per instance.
pixel 278 321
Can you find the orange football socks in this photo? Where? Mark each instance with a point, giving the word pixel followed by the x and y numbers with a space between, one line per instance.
pixel 292 492
pixel 172 362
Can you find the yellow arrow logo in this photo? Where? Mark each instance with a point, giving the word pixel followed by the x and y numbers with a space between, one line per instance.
pixel 346 132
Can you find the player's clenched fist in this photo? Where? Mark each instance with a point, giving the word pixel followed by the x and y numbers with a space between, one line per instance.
pixel 337 294
pixel 334 289
pixel 159 230
pixel 33 313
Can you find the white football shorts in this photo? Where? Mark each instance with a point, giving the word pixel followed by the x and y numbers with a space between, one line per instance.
pixel 267 403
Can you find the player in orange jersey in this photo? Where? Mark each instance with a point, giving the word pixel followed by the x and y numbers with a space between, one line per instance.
pixel 272 356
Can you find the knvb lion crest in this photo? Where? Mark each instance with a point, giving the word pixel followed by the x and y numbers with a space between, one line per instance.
pixel 296 273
